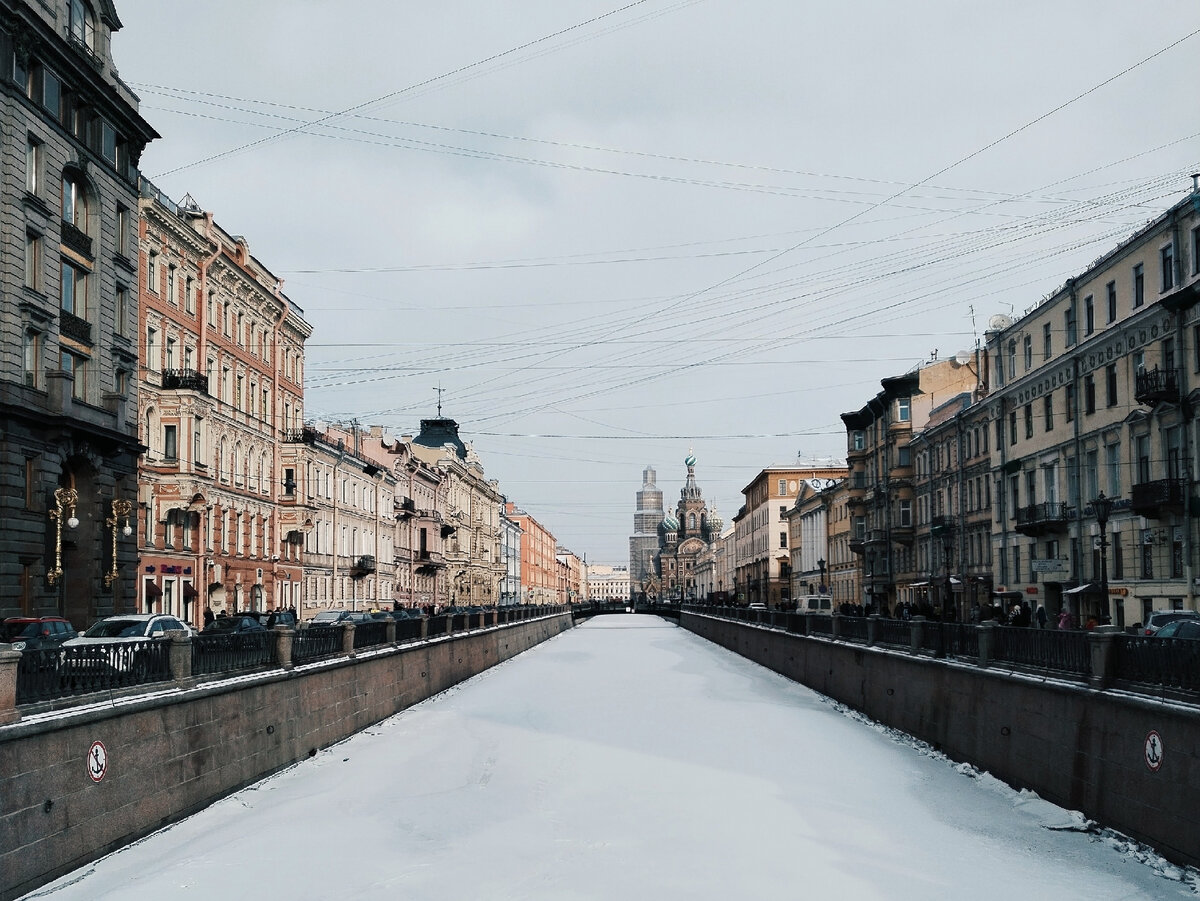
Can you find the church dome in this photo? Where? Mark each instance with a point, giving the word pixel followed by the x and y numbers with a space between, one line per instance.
pixel 715 523
pixel 670 524
pixel 690 460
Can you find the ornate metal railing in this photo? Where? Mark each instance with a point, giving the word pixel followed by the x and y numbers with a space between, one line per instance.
pixel 853 628
pixel 408 630
pixel 75 328
pixel 80 669
pixel 184 380
pixel 367 635
pixel 896 633
pixel 820 625
pixel 1168 662
pixel 76 240
pixel 439 625
pixel 227 653
pixel 316 642
pixel 1061 651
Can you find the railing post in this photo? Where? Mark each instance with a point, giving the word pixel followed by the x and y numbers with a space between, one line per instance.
pixel 1102 645
pixel 391 630
pixel 180 656
pixel 283 647
pixel 795 622
pixel 916 634
pixel 424 627
pixel 873 629
pixel 987 642
pixel 8 684
pixel 809 619
pixel 348 639
pixel 837 625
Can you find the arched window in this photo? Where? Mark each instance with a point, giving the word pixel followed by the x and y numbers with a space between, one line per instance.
pixel 691 520
pixel 148 436
pixel 236 464
pixel 82 24
pixel 74 200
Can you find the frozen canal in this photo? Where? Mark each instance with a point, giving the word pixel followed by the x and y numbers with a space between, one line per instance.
pixel 627 759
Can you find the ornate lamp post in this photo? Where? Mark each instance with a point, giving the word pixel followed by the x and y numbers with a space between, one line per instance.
pixel 821 569
pixel 65 500
pixel 948 557
pixel 120 510
pixel 1102 508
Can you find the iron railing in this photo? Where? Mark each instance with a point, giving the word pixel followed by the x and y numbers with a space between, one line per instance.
pixel 1172 663
pixel 367 635
pixel 236 651
pixel 1064 652
pixel 896 633
pixel 853 628
pixel 314 643
pixel 408 630
pixel 820 625
pixel 54 673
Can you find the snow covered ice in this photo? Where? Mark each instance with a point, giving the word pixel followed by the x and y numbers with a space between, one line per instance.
pixel 630 759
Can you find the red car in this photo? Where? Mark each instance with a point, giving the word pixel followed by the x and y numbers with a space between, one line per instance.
pixel 29 633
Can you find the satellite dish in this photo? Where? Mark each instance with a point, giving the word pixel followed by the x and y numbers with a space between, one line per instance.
pixel 963 357
pixel 999 322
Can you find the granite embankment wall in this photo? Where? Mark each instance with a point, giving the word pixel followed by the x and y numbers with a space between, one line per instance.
pixel 1082 748
pixel 174 749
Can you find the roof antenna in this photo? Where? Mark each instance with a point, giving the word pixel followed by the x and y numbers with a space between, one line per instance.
pixel 439 389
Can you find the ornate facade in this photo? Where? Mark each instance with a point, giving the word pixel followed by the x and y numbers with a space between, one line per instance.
pixel 682 538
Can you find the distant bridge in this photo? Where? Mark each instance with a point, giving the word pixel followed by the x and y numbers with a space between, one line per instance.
pixel 597 608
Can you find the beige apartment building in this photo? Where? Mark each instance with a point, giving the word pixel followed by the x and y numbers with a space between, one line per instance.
pixel 762 548
pixel 1093 392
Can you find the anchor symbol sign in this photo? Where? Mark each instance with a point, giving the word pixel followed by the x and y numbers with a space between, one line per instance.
pixel 1154 751
pixel 97 761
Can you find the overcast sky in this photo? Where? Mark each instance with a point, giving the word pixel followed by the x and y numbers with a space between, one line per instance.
pixel 616 232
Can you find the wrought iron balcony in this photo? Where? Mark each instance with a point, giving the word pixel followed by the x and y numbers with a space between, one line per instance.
pixel 184 380
pixel 71 326
pixel 405 506
pixel 1042 519
pixel 1153 386
pixel 363 566
pixel 76 240
pixel 1159 498
pixel 427 561
pixel 857 545
pixel 305 435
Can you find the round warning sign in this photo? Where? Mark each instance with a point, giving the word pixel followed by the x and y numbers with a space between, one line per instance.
pixel 1154 751
pixel 97 761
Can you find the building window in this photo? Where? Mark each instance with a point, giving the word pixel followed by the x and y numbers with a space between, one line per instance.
pixel 904 409
pixel 1069 325
pixel 171 297
pixel 1141 453
pixel 1147 553
pixel 76 366
pixel 74 202
pixel 1048 412
pixel 32 357
pixel 33 260
pixel 1029 420
pixel 81 25
pixel 1089 315
pixel 33 165
pixel 906 514
pixel 197 444
pixel 1012 359
pixel 170 443
pixel 122 230
pixel 1110 385
pixel 1113 463
pixel 1028 344
pixel 152 271
pixel 1166 259
pixel 1111 290
pixel 782 487
pixel 1046 342
pixel 1196 250
pixel 152 354
pixel 1070 412
pixel 73 290
pixel 1089 394
pixel 1139 285
pixel 189 295
pixel 122 311
pixel 857 440
pixel 783 540
pixel 1012 427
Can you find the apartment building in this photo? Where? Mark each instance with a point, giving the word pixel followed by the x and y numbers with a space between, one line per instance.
pixel 220 386
pixel 809 522
pixel 1093 396
pixel 539 564
pixel 763 551
pixel 880 462
pixel 72 137
pixel 607 584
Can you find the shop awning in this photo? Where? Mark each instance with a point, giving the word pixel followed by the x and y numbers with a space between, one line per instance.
pixel 1089 586
pixel 153 591
pixel 189 591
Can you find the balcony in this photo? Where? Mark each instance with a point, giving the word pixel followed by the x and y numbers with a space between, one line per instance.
pixel 1154 386
pixel 363 566
pixel 1159 498
pixel 902 532
pixel 74 239
pixel 184 380
pixel 405 507
pixel 71 326
pixel 877 537
pixel 857 545
pixel 301 436
pixel 1042 519
pixel 430 561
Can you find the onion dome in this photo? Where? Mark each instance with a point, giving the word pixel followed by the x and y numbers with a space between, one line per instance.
pixel 670 524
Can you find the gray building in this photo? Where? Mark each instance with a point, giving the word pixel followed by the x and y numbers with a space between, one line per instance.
pixel 643 544
pixel 510 552
pixel 68 322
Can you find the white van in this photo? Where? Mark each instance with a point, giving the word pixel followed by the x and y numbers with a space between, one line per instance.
pixel 815 603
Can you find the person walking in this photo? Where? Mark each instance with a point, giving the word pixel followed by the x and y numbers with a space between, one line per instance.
pixel 1040 616
pixel 208 616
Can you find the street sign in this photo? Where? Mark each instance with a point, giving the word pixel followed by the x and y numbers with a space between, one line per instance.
pixel 97 761
pixel 1154 751
pixel 1049 566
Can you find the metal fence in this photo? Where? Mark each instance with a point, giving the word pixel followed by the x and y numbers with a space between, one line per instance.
pixel 316 642
pixel 408 629
pixel 820 625
pixel 1172 663
pixel 439 625
pixel 368 635
pixel 853 628
pixel 238 651
pixel 54 673
pixel 1050 649
pixel 895 633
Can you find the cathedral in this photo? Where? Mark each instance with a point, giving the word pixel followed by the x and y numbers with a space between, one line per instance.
pixel 682 537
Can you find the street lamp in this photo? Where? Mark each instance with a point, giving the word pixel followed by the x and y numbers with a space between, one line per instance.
pixel 64 506
pixel 1102 508
pixel 120 510
pixel 947 555
pixel 821 569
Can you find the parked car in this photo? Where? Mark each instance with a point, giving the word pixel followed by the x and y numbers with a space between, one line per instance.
pixel 269 619
pixel 120 644
pixel 1160 618
pixel 337 617
pixel 32 633
pixel 758 605
pixel 236 624
pixel 127 628
pixel 1188 627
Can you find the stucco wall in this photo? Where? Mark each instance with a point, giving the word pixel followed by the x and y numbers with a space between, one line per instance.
pixel 174 751
pixel 1078 747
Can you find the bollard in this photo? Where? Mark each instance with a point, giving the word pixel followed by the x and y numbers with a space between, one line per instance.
pixel 424 627
pixel 391 630
pixel 916 634
pixel 348 639
pixel 8 684
pixel 987 639
pixel 180 656
pixel 872 629
pixel 1102 646
pixel 283 647
pixel 837 626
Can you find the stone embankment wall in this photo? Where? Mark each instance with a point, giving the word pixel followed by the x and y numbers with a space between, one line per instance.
pixel 171 750
pixel 1084 749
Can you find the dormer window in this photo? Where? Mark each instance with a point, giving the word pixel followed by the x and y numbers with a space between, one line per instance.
pixel 82 25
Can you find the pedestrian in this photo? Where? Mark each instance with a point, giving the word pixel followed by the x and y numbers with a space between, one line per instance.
pixel 208 616
pixel 1040 616
pixel 1066 620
